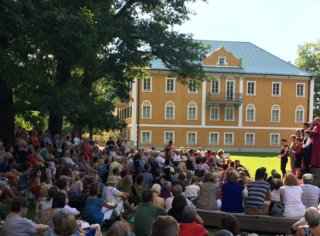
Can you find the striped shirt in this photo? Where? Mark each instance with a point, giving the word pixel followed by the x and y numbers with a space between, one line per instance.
pixel 257 192
pixel 310 195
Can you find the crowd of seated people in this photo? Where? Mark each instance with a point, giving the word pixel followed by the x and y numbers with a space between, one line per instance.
pixel 90 186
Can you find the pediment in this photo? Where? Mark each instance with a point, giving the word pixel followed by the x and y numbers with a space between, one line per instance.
pixel 221 57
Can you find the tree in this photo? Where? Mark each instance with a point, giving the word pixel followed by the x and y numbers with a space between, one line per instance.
pixel 92 40
pixel 309 59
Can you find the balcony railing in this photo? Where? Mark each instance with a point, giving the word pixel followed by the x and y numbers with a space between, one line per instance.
pixel 224 98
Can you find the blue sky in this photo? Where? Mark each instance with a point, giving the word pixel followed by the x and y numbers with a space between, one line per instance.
pixel 277 26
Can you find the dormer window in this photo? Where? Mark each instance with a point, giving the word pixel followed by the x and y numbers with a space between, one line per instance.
pixel 222 61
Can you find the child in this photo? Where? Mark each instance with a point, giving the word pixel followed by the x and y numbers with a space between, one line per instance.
pixel 306 150
pixel 298 153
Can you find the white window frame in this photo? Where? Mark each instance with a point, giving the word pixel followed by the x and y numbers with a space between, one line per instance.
pixel 276 95
pixel 217 80
pixel 224 138
pixel 141 138
pixel 279 109
pixel 254 89
pixel 164 136
pixel 299 108
pixel 174 85
pixel 251 106
pixel 224 59
pixel 142 105
pixel 143 88
pixel 303 91
pixel 195 138
pixel 195 84
pixel 272 144
pixel 212 143
pixel 192 105
pixel 211 108
pixel 165 111
pixel 253 139
pixel 225 112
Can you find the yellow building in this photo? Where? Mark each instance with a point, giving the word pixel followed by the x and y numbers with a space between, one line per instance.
pixel 252 101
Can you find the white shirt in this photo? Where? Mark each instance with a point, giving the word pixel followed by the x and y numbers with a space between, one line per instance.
pixel 275 196
pixel 70 210
pixel 192 191
pixel 76 141
pixel 110 194
pixel 176 158
pixel 160 161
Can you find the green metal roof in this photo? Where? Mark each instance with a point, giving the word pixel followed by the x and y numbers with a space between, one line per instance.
pixel 255 60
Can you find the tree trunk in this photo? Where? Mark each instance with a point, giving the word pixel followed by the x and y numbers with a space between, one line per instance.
pixel 6 114
pixel 90 133
pixel 55 122
pixel 76 129
pixel 56 114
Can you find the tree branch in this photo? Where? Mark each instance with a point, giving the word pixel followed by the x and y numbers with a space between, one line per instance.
pixel 124 8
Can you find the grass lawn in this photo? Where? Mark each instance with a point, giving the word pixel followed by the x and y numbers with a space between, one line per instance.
pixel 253 161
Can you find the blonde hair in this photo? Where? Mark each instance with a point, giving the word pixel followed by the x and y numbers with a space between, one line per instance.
pixel 44 190
pixel 156 188
pixel 290 180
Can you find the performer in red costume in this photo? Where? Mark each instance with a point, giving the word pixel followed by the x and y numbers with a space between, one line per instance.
pixel 315 134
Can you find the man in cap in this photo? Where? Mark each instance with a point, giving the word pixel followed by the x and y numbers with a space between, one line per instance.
pixel 311 194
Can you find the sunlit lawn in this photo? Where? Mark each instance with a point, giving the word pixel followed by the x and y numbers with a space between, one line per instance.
pixel 253 161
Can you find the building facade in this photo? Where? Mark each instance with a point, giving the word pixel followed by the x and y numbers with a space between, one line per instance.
pixel 252 100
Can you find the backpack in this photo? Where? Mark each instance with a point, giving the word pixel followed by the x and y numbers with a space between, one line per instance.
pixel 276 209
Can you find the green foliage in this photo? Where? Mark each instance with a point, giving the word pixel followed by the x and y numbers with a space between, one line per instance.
pixel 102 136
pixel 309 59
pixel 72 58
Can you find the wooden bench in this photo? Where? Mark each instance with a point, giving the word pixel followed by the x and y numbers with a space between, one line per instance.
pixel 250 223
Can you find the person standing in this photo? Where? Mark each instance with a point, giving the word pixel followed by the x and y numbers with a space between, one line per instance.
pixel 306 150
pixel 315 152
pixel 284 156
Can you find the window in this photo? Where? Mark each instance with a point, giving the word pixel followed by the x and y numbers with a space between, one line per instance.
pixel 222 61
pixel 251 88
pixel 274 139
pixel 146 137
pixel 170 85
pixel 300 90
pixel 169 111
pixel 275 113
pixel 214 138
pixel 228 138
pixel 276 89
pixel 192 111
pixel 146 85
pixel 146 110
pixel 215 112
pixel 249 139
pixel 168 135
pixel 192 87
pixel 229 113
pixel 250 113
pixel 191 138
pixel 299 114
pixel 215 86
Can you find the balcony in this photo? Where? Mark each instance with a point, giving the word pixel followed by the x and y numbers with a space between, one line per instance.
pixel 224 98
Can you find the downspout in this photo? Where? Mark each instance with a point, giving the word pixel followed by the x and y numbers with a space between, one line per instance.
pixel 138 113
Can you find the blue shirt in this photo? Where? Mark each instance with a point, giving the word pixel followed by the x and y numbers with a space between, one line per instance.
pixel 93 210
pixel 232 198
